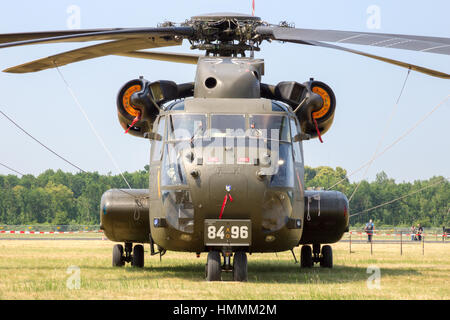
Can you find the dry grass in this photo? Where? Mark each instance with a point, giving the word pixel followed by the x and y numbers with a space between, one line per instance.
pixel 38 270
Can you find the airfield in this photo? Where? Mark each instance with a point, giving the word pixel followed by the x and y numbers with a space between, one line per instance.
pixel 44 267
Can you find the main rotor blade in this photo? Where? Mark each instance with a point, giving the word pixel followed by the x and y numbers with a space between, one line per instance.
pixel 396 41
pixel 114 34
pixel 290 38
pixel 424 70
pixel 94 51
pixel 163 56
pixel 14 37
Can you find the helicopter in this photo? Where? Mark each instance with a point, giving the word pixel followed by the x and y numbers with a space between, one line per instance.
pixel 226 173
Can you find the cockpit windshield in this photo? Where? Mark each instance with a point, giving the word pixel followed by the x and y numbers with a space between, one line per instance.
pixel 264 126
pixel 186 126
pixel 273 127
pixel 228 125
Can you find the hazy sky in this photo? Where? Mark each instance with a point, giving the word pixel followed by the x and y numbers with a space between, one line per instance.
pixel 366 90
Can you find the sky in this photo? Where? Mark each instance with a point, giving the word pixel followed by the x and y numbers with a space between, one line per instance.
pixel 366 90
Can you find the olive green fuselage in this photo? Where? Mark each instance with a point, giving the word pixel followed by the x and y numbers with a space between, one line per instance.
pixel 268 208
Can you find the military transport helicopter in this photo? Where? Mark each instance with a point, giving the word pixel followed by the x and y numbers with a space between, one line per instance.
pixel 226 162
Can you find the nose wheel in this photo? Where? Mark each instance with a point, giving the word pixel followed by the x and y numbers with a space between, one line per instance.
pixel 213 269
pixel 240 271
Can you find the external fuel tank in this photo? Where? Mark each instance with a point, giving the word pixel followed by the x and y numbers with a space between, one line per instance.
pixel 326 217
pixel 124 215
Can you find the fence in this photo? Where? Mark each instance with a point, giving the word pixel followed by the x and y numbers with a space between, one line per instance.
pixel 49 228
pixel 51 232
pixel 400 237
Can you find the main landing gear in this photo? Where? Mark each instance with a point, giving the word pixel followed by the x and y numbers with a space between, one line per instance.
pixel 213 269
pixel 134 255
pixel 324 256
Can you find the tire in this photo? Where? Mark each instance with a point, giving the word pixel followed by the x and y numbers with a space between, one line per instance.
pixel 138 256
pixel 117 258
pixel 306 257
pixel 327 257
pixel 240 270
pixel 213 268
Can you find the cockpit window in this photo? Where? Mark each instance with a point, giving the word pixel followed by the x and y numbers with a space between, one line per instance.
pixel 277 107
pixel 172 169
pixel 296 145
pixel 177 106
pixel 157 144
pixel 227 125
pixel 284 176
pixel 186 126
pixel 274 127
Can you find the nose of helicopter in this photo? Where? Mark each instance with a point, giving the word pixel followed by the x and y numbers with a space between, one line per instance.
pixel 228 194
pixel 226 187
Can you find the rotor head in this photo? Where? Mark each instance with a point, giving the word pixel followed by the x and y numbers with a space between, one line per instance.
pixel 225 34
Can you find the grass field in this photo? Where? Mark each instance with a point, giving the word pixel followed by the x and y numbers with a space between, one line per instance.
pixel 38 269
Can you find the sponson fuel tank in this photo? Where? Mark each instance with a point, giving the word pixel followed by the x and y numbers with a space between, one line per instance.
pixel 326 217
pixel 124 215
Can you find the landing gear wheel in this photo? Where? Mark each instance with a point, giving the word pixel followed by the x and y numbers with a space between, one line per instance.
pixel 327 257
pixel 138 256
pixel 306 257
pixel 240 266
pixel 117 259
pixel 213 268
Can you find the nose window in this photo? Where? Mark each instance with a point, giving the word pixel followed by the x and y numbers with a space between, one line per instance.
pixel 179 209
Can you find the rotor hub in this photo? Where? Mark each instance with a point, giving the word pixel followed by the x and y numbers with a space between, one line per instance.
pixel 225 34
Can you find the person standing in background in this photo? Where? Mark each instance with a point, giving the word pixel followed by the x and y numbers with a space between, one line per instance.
pixel 413 233
pixel 369 230
pixel 419 232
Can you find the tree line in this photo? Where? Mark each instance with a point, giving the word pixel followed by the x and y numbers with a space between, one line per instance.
pixel 61 198
pixel 429 207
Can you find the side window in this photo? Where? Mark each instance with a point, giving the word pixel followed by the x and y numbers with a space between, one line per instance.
pixel 295 145
pixel 172 168
pixel 157 144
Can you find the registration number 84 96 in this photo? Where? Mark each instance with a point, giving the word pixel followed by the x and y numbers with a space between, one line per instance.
pixel 228 232
pixel 235 232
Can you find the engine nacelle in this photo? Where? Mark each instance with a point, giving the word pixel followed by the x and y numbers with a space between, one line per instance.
pixel 318 108
pixel 139 101
pixel 312 100
pixel 326 217
pixel 136 108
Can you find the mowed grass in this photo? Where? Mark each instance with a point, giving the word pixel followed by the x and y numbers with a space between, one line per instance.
pixel 39 270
